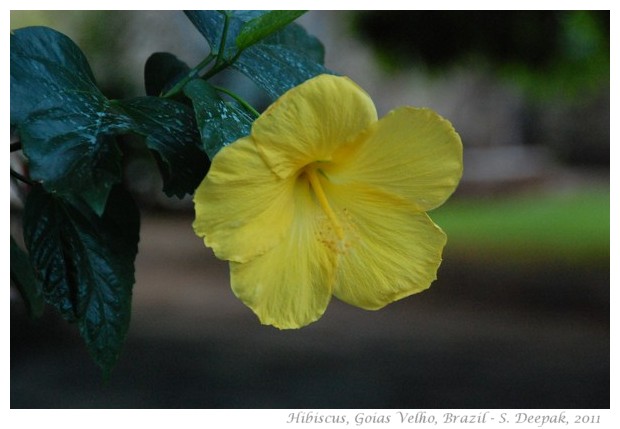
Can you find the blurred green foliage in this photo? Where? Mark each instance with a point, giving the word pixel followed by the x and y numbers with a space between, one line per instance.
pixel 548 53
pixel 534 228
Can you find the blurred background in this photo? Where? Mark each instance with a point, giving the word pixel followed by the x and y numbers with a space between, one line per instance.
pixel 519 315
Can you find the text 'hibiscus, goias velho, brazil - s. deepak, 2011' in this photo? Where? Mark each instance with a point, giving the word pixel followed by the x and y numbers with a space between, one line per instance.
pixel 323 198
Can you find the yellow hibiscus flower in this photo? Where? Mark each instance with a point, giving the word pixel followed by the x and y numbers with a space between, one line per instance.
pixel 324 199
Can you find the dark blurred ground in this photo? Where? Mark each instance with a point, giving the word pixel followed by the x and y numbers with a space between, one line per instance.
pixel 484 336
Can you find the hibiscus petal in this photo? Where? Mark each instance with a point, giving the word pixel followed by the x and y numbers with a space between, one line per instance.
pixel 291 285
pixel 392 251
pixel 309 122
pixel 413 153
pixel 242 208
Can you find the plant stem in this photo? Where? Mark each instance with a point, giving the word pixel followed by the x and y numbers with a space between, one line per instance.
pixel 221 66
pixel 239 100
pixel 22 178
pixel 222 48
pixel 193 73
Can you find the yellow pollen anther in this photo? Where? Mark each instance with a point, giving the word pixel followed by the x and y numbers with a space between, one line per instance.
pixel 315 183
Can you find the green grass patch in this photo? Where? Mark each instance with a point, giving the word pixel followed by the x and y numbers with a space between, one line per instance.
pixel 572 227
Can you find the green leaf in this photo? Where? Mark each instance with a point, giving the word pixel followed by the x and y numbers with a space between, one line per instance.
pixel 85 264
pixel 161 71
pixel 41 54
pixel 277 63
pixel 210 24
pixel 170 132
pixel 67 126
pixel 64 121
pixel 71 163
pixel 23 277
pixel 219 122
pixel 264 25
pixel 283 60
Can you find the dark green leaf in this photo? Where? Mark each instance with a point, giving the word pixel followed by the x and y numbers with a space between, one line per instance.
pixel 294 37
pixel 71 162
pixel 42 54
pixel 282 61
pixel 23 277
pixel 210 23
pixel 170 131
pixel 85 264
pixel 67 125
pixel 277 63
pixel 161 71
pixel 219 122
pixel 264 25
pixel 64 121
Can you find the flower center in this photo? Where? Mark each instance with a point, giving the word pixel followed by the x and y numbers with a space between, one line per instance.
pixel 315 184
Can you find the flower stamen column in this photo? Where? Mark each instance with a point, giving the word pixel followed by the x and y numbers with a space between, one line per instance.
pixel 315 184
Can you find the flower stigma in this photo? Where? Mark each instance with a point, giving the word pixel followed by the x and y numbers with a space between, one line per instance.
pixel 332 233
